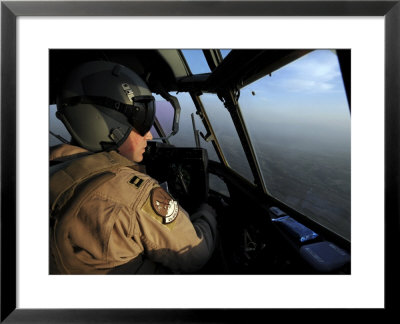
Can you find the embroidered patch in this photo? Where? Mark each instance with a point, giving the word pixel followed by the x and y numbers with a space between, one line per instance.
pixel 163 204
pixel 136 181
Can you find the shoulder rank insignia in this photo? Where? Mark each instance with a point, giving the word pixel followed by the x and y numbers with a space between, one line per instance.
pixel 163 204
pixel 136 181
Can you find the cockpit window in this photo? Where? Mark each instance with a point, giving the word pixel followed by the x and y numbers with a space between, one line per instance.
pixel 196 61
pixel 164 115
pixel 58 132
pixel 299 122
pixel 185 136
pixel 224 52
pixel 227 135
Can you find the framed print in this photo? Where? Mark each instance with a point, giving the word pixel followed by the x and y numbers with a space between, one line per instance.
pixel 29 29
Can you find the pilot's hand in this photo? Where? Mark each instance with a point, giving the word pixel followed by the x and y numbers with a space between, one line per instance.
pixel 205 219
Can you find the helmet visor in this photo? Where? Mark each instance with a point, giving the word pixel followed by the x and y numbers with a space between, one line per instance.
pixel 142 114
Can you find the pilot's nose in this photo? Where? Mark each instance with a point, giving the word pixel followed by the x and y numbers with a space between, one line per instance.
pixel 148 136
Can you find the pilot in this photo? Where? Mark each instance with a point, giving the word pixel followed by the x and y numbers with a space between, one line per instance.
pixel 106 215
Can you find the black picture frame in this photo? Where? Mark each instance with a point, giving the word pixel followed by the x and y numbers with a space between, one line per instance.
pixel 10 10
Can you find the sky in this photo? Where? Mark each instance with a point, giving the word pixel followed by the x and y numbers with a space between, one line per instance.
pixel 305 98
pixel 315 76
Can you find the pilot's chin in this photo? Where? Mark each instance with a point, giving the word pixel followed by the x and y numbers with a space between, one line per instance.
pixel 138 159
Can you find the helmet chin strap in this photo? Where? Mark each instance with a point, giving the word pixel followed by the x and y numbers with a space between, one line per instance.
pixel 108 146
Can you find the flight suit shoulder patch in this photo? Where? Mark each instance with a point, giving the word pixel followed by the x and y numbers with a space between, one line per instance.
pixel 163 204
pixel 162 207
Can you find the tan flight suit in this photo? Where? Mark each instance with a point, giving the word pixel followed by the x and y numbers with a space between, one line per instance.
pixel 116 215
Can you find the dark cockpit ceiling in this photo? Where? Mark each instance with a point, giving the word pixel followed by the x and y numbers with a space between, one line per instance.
pixel 166 68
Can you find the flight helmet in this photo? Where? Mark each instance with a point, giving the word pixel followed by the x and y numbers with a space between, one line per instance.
pixel 101 102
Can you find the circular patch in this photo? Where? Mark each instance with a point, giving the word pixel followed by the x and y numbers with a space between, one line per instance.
pixel 164 205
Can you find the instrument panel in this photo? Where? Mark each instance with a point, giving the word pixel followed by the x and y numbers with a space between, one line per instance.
pixel 183 171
